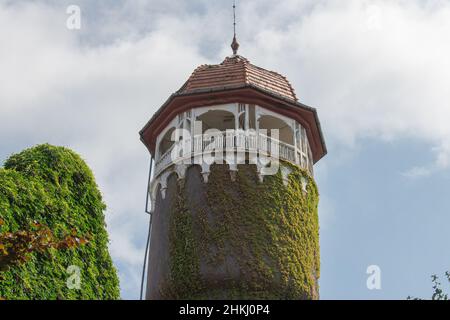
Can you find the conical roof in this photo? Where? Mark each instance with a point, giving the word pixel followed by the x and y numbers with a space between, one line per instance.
pixel 237 72
pixel 236 80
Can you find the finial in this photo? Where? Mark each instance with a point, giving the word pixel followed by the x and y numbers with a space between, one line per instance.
pixel 234 44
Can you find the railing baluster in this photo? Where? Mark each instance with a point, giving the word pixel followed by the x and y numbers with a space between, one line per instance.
pixel 249 141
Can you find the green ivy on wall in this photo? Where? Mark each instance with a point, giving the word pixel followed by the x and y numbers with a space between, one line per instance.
pixel 263 237
pixel 54 186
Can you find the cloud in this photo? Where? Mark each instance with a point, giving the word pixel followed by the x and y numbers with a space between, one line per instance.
pixel 377 69
pixel 442 162
pixel 94 99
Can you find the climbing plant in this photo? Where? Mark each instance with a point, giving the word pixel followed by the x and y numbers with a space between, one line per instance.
pixel 245 239
pixel 53 186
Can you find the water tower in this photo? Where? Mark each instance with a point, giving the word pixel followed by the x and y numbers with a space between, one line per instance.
pixel 233 198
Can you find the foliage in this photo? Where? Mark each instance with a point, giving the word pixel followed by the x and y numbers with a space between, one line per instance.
pixel 54 186
pixel 16 247
pixel 261 240
pixel 438 292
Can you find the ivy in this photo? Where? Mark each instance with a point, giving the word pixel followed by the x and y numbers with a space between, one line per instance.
pixel 54 186
pixel 244 239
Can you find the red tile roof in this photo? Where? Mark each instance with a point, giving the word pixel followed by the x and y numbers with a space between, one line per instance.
pixel 236 80
pixel 237 71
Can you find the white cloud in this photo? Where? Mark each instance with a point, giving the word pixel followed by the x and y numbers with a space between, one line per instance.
pixel 94 100
pixel 376 69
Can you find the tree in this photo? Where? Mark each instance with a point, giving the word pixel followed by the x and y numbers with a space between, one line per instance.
pixel 48 197
pixel 438 292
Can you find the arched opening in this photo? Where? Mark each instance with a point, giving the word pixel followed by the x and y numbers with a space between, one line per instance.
pixel 217 119
pixel 286 134
pixel 166 142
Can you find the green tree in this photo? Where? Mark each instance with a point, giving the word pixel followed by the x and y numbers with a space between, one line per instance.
pixel 54 186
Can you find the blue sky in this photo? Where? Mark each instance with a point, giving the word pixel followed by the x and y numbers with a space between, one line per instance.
pixel 381 217
pixel 377 71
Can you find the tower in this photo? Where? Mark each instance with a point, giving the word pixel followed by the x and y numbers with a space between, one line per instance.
pixel 233 198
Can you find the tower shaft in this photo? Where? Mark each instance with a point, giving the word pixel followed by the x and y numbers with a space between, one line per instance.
pixel 241 239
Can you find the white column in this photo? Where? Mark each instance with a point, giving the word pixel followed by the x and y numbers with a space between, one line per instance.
pixel 246 117
pixel 193 118
pixel 157 155
pixel 295 142
pixel 257 115
pixel 236 117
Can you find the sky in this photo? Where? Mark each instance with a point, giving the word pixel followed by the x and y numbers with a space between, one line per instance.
pixel 377 71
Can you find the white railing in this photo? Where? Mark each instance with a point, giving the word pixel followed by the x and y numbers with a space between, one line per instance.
pixel 233 141
pixel 164 161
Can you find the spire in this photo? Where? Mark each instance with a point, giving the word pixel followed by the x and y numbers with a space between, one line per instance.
pixel 234 44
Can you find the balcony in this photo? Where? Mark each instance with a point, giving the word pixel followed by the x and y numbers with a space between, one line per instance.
pixel 233 142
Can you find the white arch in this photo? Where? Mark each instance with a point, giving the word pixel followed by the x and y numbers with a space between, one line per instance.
pixel 223 107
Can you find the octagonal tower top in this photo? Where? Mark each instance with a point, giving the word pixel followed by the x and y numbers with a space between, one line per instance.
pixel 236 80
